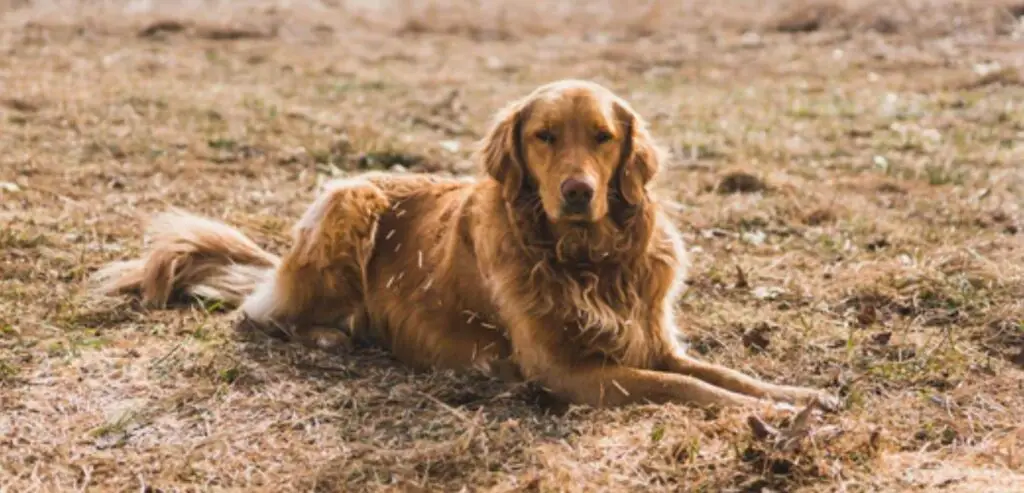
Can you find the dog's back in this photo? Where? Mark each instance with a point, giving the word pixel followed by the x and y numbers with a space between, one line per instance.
pixel 424 296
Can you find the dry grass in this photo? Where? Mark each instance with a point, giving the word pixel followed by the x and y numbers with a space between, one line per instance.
pixel 849 177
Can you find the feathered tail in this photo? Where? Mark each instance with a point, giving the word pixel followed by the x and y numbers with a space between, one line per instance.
pixel 192 255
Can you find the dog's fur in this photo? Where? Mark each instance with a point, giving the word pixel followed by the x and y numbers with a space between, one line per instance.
pixel 488 273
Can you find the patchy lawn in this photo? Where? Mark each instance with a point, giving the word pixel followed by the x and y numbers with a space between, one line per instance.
pixel 849 174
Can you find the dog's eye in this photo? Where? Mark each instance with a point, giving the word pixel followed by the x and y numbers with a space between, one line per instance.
pixel 546 136
pixel 603 137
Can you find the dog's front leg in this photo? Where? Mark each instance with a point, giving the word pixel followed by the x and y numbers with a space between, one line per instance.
pixel 610 385
pixel 735 381
pixel 545 358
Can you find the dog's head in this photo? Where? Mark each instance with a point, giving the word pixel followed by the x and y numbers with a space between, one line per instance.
pixel 580 148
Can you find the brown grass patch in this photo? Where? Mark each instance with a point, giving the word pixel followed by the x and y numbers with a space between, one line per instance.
pixel 883 17
pixel 807 17
pixel 161 27
pixel 740 181
pixel 885 263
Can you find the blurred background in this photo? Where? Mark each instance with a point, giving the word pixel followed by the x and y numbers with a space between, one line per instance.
pixel 847 174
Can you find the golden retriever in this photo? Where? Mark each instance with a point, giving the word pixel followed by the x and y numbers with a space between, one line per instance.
pixel 557 264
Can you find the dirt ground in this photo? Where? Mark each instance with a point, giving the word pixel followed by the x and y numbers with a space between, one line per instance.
pixel 848 174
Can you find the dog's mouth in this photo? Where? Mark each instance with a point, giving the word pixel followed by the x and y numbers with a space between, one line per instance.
pixel 576 219
pixel 581 213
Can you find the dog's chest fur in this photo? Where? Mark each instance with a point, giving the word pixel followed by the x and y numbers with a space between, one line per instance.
pixel 601 307
pixel 602 311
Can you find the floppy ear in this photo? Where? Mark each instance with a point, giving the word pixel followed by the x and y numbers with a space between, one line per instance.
pixel 641 158
pixel 500 153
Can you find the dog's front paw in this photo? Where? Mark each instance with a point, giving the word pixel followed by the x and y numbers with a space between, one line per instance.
pixel 828 402
pixel 245 324
pixel 329 339
pixel 821 399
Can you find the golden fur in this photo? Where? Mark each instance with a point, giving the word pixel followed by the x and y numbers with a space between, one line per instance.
pixel 492 273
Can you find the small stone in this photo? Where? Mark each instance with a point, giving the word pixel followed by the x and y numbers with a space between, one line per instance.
pixel 755 237
pixel 983 69
pixel 450 145
pixel 494 63
pixel 767 292
pixel 750 39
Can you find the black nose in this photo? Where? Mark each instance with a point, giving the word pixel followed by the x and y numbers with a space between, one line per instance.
pixel 577 192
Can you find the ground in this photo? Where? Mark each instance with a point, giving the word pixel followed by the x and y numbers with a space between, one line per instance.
pixel 847 174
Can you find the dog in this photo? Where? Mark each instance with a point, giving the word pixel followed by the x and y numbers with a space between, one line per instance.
pixel 556 262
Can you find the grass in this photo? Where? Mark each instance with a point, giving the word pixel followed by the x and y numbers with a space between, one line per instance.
pixel 847 174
